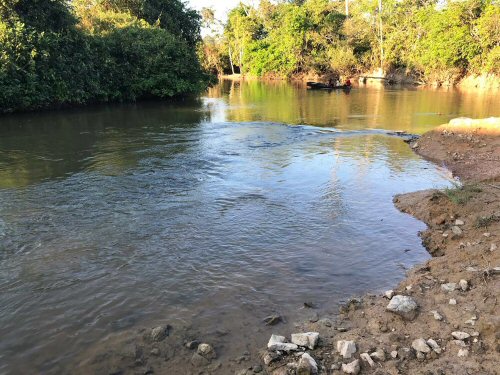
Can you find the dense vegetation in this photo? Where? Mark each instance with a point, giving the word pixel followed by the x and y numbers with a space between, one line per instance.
pixel 429 39
pixel 55 52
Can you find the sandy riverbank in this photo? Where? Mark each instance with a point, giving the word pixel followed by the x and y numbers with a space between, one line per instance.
pixel 454 327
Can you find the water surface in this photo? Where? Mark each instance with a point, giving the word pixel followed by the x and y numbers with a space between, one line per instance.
pixel 211 214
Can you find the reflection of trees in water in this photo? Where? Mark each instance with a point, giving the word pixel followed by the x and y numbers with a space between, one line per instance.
pixel 34 147
pixel 411 109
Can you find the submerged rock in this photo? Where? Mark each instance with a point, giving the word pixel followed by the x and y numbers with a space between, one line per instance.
pixel 206 351
pixel 308 339
pixel 272 320
pixel 159 333
pixel 404 306
pixel 346 348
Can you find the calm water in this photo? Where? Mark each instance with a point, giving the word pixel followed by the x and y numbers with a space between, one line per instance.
pixel 211 214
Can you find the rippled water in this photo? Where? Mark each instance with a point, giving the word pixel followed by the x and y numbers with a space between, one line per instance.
pixel 212 214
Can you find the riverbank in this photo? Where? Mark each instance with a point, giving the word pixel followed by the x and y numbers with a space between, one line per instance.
pixel 443 318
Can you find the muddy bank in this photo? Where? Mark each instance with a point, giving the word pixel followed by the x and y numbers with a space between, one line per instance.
pixel 444 317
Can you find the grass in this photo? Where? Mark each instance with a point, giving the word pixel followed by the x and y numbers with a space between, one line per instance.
pixel 461 194
pixel 486 221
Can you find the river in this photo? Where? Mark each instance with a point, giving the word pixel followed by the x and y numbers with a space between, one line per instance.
pixel 208 214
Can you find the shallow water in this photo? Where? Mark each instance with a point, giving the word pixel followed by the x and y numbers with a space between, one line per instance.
pixel 211 214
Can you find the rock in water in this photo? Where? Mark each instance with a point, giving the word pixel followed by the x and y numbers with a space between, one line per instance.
pixel 404 306
pixel 272 320
pixel 206 351
pixel 351 368
pixel 389 294
pixel 307 365
pixel 308 339
pixel 159 333
pixel 420 345
pixel 346 348
pixel 277 342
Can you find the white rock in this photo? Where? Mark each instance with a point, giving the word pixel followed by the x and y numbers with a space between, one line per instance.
pixel 437 315
pixel 487 234
pixel 279 343
pixel 366 357
pixel 456 231
pixel 420 355
pixel 404 306
pixel 460 335
pixel 434 345
pixel 378 355
pixel 308 339
pixel 493 247
pixel 420 345
pixel 463 353
pixel 448 287
pixel 351 368
pixel 307 365
pixel 394 354
pixel 459 222
pixel 160 332
pixel 346 348
pixel 452 301
pixel 464 285
pixel 389 294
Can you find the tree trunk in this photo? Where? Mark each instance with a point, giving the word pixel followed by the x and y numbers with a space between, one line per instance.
pixel 231 60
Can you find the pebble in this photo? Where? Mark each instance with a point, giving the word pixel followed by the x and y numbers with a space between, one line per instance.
pixel 308 339
pixel 389 294
pixel 272 320
pixel 463 353
pixel 493 247
pixel 326 322
pixel 452 301
pixel 487 234
pixel 464 285
pixel 192 344
pixel 307 365
pixel 155 352
pixel 404 306
pixel 437 315
pixel 448 287
pixel 366 357
pixel 459 222
pixel 459 343
pixel 434 345
pixel 351 368
pixel 346 348
pixel 277 342
pixel 420 345
pixel 270 357
pixel 394 354
pixel 460 335
pixel 159 333
pixel 457 232
pixel 378 354
pixel 206 351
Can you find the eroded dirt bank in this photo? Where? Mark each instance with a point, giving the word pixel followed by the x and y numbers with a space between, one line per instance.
pixel 445 317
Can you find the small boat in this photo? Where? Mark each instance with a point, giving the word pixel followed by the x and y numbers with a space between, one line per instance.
pixel 324 86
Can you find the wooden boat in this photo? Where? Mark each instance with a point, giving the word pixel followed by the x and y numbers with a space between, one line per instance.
pixel 324 86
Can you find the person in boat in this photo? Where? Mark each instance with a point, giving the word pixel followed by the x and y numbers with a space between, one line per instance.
pixel 348 83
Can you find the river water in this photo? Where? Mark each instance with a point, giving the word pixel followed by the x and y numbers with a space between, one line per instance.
pixel 209 214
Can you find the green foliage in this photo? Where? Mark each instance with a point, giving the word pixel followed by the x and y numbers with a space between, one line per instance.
pixel 425 37
pixel 461 194
pixel 111 55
